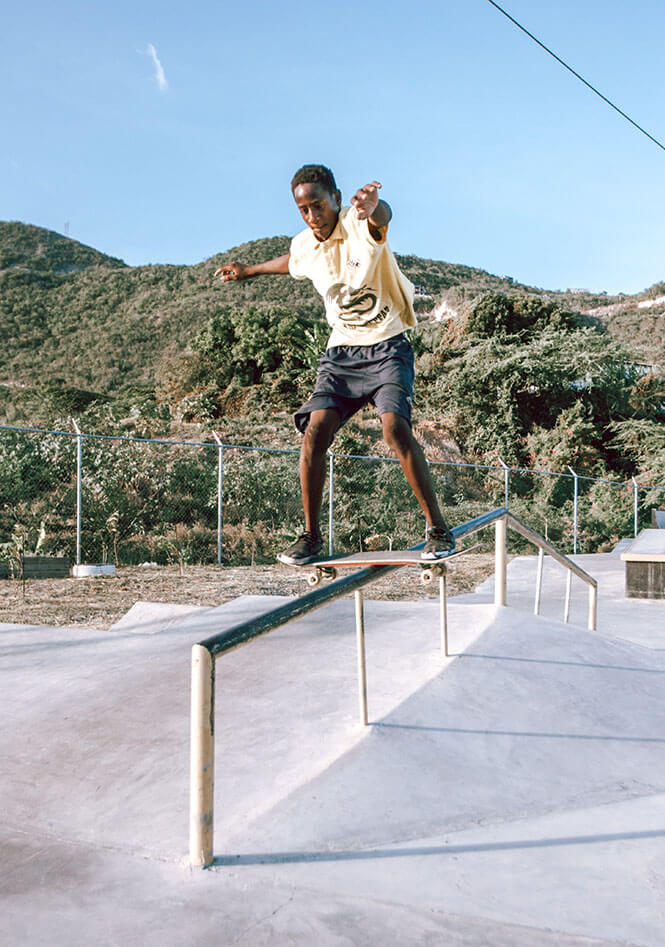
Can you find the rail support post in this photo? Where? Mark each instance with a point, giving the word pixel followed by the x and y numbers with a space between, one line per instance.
pixel 566 607
pixel 443 610
pixel 500 561
pixel 362 663
pixel 202 758
pixel 539 581
pixel 593 608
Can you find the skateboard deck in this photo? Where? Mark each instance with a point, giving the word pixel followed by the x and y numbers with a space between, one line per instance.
pixel 385 557
pixel 327 566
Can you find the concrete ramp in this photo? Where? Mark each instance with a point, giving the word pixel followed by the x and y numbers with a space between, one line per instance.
pixel 513 795
pixel 151 618
pixel 533 717
pixel 96 737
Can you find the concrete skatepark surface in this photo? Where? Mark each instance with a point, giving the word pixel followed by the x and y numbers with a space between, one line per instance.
pixel 512 794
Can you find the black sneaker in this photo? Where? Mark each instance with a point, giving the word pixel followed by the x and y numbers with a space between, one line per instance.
pixel 440 543
pixel 306 549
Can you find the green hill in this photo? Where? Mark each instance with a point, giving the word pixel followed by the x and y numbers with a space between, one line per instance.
pixel 536 377
pixel 75 320
pixel 637 322
pixel 25 248
pixel 71 315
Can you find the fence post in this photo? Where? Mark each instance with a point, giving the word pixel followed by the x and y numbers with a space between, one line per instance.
pixel 331 501
pixel 636 488
pixel 506 482
pixel 79 471
pixel 575 507
pixel 220 487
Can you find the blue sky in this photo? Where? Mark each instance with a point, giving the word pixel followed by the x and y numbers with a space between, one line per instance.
pixel 489 152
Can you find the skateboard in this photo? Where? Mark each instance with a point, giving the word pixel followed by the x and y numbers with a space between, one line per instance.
pixel 327 567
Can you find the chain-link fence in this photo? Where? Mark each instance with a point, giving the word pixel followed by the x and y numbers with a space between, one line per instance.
pixel 121 500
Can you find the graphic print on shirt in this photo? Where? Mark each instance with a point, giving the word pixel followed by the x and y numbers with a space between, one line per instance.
pixel 356 307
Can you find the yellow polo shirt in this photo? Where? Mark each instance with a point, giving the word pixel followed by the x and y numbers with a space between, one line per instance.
pixel 367 297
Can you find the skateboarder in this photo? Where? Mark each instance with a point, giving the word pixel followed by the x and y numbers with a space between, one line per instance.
pixel 369 359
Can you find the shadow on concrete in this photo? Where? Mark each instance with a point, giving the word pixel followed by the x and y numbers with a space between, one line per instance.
pixel 281 858
pixel 520 733
pixel 580 664
pixel 58 645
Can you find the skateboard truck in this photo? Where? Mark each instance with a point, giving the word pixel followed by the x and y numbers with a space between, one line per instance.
pixel 328 568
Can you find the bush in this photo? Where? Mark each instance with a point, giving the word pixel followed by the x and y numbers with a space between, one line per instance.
pixel 240 350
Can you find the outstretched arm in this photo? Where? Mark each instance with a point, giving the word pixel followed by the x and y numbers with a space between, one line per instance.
pixel 232 272
pixel 377 213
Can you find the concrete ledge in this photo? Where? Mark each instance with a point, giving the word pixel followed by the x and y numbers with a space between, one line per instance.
pixel 645 565
pixel 39 567
pixel 649 546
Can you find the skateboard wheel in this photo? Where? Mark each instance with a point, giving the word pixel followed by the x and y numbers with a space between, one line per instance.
pixel 330 573
pixel 426 576
pixel 313 578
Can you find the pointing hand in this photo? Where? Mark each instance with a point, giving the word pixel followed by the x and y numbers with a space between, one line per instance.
pixel 366 199
pixel 232 272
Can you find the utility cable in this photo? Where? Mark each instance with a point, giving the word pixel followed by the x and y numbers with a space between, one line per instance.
pixel 576 74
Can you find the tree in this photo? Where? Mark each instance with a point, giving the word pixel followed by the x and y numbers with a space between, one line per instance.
pixel 519 370
pixel 240 349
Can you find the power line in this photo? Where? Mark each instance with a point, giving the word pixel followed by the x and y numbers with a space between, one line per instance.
pixel 576 74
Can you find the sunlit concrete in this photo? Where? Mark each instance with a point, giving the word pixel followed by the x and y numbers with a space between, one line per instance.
pixel 512 794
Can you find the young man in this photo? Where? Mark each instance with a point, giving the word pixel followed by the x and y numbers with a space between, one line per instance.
pixel 369 304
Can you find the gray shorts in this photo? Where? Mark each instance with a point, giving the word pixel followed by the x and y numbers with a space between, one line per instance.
pixel 351 376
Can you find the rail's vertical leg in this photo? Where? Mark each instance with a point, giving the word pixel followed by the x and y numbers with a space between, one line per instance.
pixel 202 758
pixel 593 607
pixel 362 668
pixel 539 581
pixel 443 610
pixel 569 582
pixel 500 562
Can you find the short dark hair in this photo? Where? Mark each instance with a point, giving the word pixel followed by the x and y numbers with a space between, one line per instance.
pixel 315 174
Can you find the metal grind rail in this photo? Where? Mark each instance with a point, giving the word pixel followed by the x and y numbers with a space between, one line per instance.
pixel 205 653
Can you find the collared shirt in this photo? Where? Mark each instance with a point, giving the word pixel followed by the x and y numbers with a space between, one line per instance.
pixel 367 297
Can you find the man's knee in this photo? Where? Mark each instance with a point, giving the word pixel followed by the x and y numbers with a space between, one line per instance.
pixel 320 431
pixel 397 432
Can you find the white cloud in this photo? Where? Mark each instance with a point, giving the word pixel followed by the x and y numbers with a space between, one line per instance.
pixel 160 78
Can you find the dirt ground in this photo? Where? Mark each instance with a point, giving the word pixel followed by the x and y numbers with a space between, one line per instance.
pixel 99 602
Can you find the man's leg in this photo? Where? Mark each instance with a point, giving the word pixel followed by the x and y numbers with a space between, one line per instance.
pixel 321 429
pixel 399 437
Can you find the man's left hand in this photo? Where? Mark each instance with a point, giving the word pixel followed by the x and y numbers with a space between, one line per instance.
pixel 366 200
